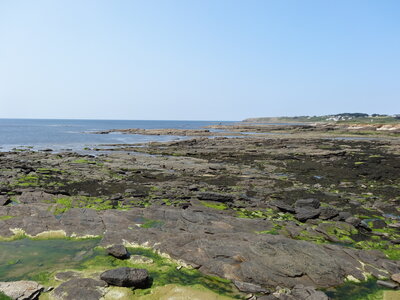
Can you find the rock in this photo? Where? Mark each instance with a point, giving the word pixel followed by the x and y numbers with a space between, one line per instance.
pixel 283 206
pixel 304 214
pixel 353 221
pixel 210 196
pixel 343 215
pixel 126 277
pixel 307 203
pixel 193 187
pixel 396 277
pixel 21 290
pixel 35 197
pixel 80 288
pixel 4 200
pixel 394 225
pixel 378 224
pixel 63 276
pixel 300 292
pixel 118 251
pixel 248 287
pixel 364 225
pixel 388 284
pixel 328 212
pixel 139 259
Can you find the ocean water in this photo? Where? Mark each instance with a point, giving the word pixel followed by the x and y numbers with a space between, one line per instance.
pixel 73 135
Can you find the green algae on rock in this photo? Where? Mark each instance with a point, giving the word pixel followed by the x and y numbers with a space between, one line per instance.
pixel 367 290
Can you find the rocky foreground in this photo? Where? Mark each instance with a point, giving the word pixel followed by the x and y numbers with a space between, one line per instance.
pixel 280 217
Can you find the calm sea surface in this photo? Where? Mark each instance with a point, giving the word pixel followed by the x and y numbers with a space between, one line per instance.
pixel 73 134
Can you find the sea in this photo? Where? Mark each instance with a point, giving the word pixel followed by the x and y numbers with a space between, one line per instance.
pixel 75 135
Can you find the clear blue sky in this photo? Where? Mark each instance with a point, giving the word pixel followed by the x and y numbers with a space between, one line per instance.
pixel 198 59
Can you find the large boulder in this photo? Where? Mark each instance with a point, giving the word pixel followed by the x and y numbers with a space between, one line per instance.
pixel 21 290
pixel 126 277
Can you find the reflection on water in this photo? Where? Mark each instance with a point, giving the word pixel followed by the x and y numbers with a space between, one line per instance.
pixel 25 258
pixel 368 290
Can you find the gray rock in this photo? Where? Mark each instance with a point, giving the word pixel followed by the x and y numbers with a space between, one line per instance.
pixel 215 197
pixel 4 200
pixel 139 259
pixel 343 215
pixel 21 290
pixel 118 251
pixel 328 212
pixel 300 292
pixel 63 276
pixel 396 277
pixel 248 287
pixel 307 203
pixel 126 277
pixel 388 284
pixel 304 214
pixel 353 221
pixel 378 224
pixel 283 206
pixel 35 197
pixel 80 288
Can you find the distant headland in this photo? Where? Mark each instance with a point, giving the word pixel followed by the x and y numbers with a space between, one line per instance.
pixel 342 117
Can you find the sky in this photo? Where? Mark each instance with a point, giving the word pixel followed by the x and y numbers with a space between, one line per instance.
pixel 198 59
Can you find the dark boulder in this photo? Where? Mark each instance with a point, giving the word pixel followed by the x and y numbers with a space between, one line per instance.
pixel 307 203
pixel 126 277
pixel 328 212
pixel 304 214
pixel 282 206
pixel 210 196
pixel 118 251
pixel 378 224
pixel 353 221
pixel 343 215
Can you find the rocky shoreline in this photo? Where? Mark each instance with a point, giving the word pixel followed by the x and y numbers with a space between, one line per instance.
pixel 280 217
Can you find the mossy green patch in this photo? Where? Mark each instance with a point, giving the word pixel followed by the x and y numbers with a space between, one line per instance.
pixel 4 297
pixel 66 203
pixel 253 214
pixel 215 205
pixel 391 251
pixel 152 223
pixel 83 161
pixel 4 218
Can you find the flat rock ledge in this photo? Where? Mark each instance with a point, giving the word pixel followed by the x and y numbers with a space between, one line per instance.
pixel 21 290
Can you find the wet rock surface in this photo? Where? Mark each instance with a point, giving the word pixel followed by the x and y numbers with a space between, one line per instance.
pixel 260 211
